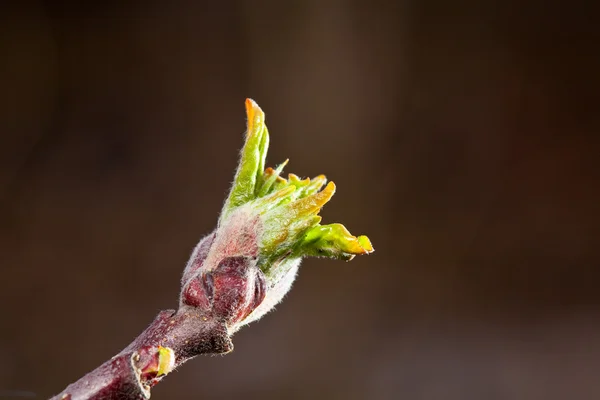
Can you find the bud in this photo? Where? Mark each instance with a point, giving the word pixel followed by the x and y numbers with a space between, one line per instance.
pixel 268 223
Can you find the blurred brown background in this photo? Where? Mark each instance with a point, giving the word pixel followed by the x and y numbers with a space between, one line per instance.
pixel 463 140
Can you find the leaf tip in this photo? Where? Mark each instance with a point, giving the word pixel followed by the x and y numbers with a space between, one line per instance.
pixel 365 243
pixel 254 114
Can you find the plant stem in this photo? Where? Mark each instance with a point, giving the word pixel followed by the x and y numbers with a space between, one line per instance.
pixel 130 374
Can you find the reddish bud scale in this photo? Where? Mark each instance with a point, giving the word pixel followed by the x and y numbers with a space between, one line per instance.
pixel 149 359
pixel 198 292
pixel 230 292
pixel 197 259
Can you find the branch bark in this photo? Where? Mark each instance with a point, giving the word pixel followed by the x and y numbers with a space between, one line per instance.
pixel 187 332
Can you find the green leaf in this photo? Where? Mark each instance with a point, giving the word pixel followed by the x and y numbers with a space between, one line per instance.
pixel 287 209
pixel 250 170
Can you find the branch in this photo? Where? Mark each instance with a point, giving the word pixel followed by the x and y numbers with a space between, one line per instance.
pixel 173 338
pixel 235 275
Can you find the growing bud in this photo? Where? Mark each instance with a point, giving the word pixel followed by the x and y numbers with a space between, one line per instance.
pixel 234 276
pixel 268 223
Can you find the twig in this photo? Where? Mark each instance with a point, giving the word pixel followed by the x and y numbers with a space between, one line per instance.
pixel 235 275
pixel 131 373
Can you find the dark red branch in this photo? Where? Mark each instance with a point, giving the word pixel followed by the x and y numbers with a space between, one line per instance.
pixel 131 373
pixel 212 304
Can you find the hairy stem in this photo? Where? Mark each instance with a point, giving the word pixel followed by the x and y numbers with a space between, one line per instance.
pixel 173 338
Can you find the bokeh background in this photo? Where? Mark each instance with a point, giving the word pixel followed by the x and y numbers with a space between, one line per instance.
pixel 462 136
